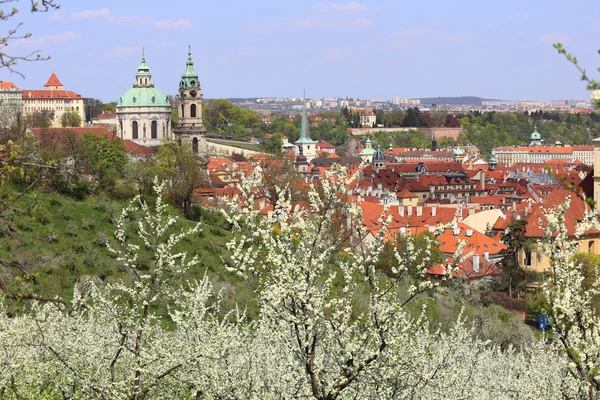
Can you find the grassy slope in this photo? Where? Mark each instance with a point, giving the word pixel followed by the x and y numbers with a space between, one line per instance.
pixel 61 240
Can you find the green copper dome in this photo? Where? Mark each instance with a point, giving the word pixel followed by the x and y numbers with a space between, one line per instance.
pixel 378 156
pixel 144 97
pixel 458 152
pixel 535 135
pixel 143 93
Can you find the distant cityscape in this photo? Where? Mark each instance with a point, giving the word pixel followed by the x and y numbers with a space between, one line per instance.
pixel 291 105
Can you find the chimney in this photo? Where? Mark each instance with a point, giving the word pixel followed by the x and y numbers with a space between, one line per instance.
pixel 402 231
pixel 433 211
pixel 471 211
pixel 469 232
pixel 514 206
pixel 409 211
pixel 431 229
pixel 401 211
pixel 486 255
pixel 456 231
pixel 419 211
pixel 476 263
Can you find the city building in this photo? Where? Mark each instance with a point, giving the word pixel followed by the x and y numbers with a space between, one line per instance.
pixel 144 112
pixel 106 119
pixel 11 103
pixel 53 98
pixel 190 126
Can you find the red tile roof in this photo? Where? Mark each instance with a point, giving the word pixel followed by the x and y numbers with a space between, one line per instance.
pixel 53 81
pixel 466 270
pixel 8 86
pixel 477 242
pixel 50 94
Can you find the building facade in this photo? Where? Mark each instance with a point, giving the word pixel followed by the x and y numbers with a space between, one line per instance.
pixel 189 126
pixel 11 103
pixel 53 98
pixel 144 112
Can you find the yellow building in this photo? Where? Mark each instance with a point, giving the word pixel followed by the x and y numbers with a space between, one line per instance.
pixel 53 98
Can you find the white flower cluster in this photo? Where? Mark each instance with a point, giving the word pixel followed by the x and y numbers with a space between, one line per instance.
pixel 331 326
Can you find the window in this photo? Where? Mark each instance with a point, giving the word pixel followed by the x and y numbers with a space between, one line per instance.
pixel 182 113
pixel 591 246
pixel 528 258
pixel 154 130
pixel 134 130
pixel 193 111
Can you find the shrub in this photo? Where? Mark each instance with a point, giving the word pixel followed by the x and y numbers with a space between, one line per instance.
pixel 42 215
pixel 101 239
pixel 72 229
pixel 88 223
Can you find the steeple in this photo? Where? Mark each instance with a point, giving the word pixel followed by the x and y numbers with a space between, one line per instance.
pixel 143 78
pixel 493 161
pixel 189 79
pixel 304 126
pixel 434 142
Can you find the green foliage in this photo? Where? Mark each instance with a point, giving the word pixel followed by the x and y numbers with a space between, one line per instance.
pixel 493 129
pixel 274 145
pixel 223 117
pixel 70 118
pixel 516 241
pixel 39 119
pixel 104 158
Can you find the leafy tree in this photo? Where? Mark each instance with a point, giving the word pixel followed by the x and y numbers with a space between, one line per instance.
pixel 412 118
pixel 39 119
pixel 177 163
pixel 70 118
pixel 110 107
pixel 516 241
pixel 274 145
pixel 92 108
pixel 102 157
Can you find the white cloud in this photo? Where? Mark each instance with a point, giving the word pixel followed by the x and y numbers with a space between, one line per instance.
pixel 40 41
pixel 551 38
pixel 85 14
pixel 172 24
pixel 122 51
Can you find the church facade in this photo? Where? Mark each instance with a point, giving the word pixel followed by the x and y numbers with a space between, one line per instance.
pixel 144 112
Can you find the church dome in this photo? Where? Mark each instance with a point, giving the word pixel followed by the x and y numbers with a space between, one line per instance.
pixel 535 135
pixel 144 97
pixel 379 155
pixel 458 152
pixel 143 93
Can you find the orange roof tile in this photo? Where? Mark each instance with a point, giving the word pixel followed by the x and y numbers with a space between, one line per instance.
pixel 53 81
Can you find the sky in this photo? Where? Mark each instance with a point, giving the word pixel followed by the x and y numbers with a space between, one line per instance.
pixel 277 48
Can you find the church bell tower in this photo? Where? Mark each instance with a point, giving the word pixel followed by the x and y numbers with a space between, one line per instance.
pixel 189 125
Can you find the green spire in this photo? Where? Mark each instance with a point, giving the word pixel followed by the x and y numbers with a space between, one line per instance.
pixel 304 137
pixel 304 126
pixel 143 69
pixel 189 66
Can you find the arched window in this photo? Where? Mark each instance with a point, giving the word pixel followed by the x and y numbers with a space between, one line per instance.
pixel 182 113
pixel 154 130
pixel 134 130
pixel 195 145
pixel 193 111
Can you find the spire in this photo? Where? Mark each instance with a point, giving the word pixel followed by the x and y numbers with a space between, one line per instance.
pixel 304 126
pixel 143 56
pixel 189 73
